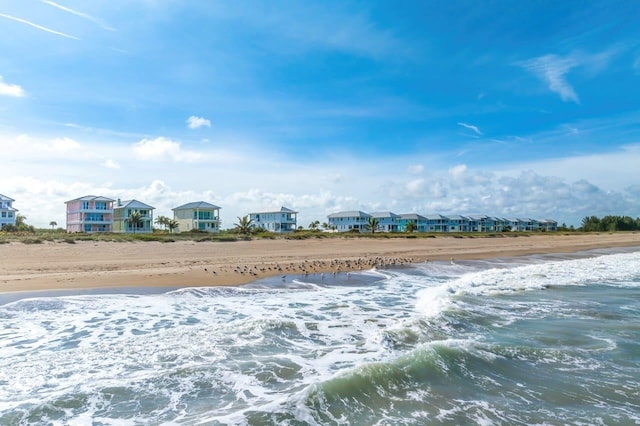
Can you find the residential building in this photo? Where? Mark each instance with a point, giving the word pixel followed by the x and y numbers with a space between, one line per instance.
pixel 436 223
pixel 90 214
pixel 279 221
pixel 198 215
pixel 419 221
pixel 349 220
pixel 387 221
pixel 548 225
pixel 122 211
pixel 7 212
pixel 457 223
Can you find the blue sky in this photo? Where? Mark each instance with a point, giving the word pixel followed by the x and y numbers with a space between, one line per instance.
pixel 473 107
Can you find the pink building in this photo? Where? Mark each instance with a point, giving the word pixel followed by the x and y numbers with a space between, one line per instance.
pixel 90 214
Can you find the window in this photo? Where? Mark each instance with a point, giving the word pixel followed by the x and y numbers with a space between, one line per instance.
pixel 4 214
pixel 85 205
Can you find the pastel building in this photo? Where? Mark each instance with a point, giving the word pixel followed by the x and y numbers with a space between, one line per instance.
pixel 437 223
pixel 283 220
pixel 90 214
pixel 349 220
pixel 122 211
pixel 419 221
pixel 198 215
pixel 387 221
pixel 457 223
pixel 7 212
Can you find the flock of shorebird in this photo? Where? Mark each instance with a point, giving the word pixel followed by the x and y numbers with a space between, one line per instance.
pixel 307 267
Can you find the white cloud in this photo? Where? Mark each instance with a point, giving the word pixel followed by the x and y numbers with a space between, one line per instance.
pixel 416 169
pixel 110 164
pixel 194 122
pixel 7 89
pixel 471 127
pixel 164 149
pixel 62 145
pixel 552 69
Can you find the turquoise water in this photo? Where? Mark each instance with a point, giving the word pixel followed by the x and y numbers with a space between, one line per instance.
pixel 533 340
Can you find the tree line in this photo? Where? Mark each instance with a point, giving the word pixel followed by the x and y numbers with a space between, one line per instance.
pixel 610 223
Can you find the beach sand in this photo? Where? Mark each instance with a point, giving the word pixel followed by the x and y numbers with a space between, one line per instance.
pixel 90 264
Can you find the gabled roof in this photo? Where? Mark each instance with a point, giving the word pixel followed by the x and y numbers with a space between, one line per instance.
pixel 133 204
pixel 457 217
pixel 5 198
pixel 282 210
pixel 196 205
pixel 381 215
pixel 351 213
pixel 90 198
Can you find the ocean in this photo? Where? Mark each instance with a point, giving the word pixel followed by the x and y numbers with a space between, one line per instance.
pixel 547 339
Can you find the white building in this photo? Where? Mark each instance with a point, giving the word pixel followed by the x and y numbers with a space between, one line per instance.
pixel 279 221
pixel 7 212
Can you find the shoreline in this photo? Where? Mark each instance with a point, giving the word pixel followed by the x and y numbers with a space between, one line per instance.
pixel 109 265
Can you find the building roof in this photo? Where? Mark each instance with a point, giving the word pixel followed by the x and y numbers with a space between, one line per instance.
pixel 414 216
pixel 351 213
pixel 132 204
pixel 282 210
pixel 197 205
pixel 90 198
pixel 381 215
pixel 457 217
pixel 435 217
pixel 5 198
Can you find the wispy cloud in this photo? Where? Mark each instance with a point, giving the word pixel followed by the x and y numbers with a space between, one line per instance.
pixel 39 27
pixel 80 14
pixel 552 69
pixel 194 122
pixel 10 89
pixel 471 127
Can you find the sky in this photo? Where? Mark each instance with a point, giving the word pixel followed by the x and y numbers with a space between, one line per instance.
pixel 514 109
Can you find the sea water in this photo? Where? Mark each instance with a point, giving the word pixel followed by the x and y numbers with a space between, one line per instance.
pixel 532 340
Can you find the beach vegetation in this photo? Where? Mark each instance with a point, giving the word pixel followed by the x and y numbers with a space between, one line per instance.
pixel 411 226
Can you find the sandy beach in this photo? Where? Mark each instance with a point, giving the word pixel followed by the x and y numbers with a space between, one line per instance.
pixel 90 264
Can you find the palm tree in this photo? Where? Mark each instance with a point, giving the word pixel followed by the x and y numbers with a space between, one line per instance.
pixel 325 226
pixel 53 224
pixel 314 225
pixel 172 224
pixel 244 225
pixel 163 221
pixel 411 226
pixel 134 219
pixel 373 224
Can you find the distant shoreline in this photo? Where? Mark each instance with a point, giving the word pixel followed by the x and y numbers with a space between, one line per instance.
pixel 99 264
